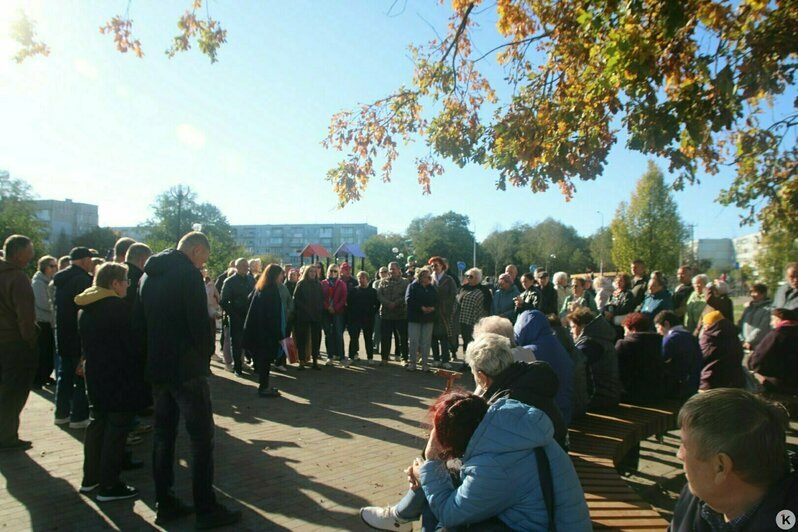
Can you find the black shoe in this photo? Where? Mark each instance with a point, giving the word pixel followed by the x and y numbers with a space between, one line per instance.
pixel 19 445
pixel 218 517
pixel 269 392
pixel 131 464
pixel 117 493
pixel 170 510
pixel 315 366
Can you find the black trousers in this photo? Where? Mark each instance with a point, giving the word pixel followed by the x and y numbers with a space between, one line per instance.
pixel 354 339
pixel 236 340
pixel 193 399
pixel 308 331
pixel 17 370
pixel 389 328
pixel 104 447
pixel 46 341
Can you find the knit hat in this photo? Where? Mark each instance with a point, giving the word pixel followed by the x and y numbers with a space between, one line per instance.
pixel 711 318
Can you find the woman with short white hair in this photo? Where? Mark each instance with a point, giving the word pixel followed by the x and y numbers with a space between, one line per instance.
pixel 472 303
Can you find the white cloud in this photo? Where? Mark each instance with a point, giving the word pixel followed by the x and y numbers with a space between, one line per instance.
pixel 84 68
pixel 190 136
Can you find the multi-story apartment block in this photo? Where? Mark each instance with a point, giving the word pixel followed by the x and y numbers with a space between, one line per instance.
pixel 66 219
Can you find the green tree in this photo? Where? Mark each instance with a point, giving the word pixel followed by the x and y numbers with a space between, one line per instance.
pixel 501 248
pixel 446 235
pixel 689 81
pixel 100 238
pixel 776 249
pixel 552 244
pixel 379 250
pixel 18 212
pixel 600 246
pixel 176 212
pixel 649 226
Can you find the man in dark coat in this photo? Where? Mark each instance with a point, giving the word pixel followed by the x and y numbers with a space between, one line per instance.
pixel 548 302
pixel 723 353
pixel 739 476
pixel 18 354
pixel 174 313
pixel 235 302
pixel 70 393
pixel 639 282
pixel 136 257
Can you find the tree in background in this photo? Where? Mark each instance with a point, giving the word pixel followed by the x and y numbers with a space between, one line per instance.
pixel 100 238
pixel 176 212
pixel 502 248
pixel 688 81
pixel 649 226
pixel 776 249
pixel 379 250
pixel 446 235
pixel 600 246
pixel 553 245
pixel 18 213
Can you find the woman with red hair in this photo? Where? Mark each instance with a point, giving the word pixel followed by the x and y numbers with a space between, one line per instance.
pixel 501 477
pixel 640 361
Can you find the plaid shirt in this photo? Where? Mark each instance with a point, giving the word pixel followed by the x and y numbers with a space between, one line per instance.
pixel 717 522
pixel 472 307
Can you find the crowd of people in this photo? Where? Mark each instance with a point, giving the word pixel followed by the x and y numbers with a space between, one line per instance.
pixel 137 332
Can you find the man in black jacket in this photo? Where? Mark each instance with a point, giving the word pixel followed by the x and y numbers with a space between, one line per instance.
pixel 734 452
pixel 135 258
pixel 548 302
pixel 235 302
pixel 173 311
pixel 71 405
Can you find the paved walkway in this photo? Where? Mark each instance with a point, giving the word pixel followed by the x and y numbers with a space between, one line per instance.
pixel 337 440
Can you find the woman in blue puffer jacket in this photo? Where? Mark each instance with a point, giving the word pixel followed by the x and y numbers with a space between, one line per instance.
pixel 498 480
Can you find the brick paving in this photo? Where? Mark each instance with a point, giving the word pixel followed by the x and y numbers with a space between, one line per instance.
pixel 337 439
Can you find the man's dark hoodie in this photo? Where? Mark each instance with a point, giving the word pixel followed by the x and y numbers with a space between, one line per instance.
pixel 597 342
pixel 68 284
pixel 173 314
pixel 534 384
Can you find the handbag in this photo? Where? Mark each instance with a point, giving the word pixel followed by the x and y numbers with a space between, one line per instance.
pixel 290 350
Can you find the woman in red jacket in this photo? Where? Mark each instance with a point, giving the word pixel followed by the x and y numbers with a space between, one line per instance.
pixel 334 306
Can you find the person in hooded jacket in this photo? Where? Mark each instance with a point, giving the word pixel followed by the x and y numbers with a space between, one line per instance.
pixel 580 396
pixel 723 353
pixel 640 361
pixel 498 376
pixel 499 481
pixel 114 374
pixel 595 337
pixel 532 330
pixel 264 326
pixel 173 315
pixel 70 393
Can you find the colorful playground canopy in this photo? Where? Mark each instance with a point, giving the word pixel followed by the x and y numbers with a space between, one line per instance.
pixel 349 249
pixel 314 250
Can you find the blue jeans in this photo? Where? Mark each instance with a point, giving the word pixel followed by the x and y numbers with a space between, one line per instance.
pixel 334 336
pixel 414 505
pixel 70 392
pixel 193 400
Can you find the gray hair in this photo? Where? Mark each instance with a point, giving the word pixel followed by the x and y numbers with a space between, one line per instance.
pixel 495 325
pixel 704 278
pixel 721 286
pixel 476 272
pixel 734 422
pixel 558 276
pixel 422 270
pixel 490 354
pixel 506 277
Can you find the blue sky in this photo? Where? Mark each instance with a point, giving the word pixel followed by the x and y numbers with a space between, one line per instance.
pixel 96 126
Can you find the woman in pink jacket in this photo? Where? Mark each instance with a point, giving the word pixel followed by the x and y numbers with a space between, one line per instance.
pixel 334 306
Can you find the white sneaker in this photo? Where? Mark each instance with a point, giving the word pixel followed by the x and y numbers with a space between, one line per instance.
pixel 329 362
pixel 384 518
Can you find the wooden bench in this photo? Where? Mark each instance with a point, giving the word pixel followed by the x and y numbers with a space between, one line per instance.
pixel 599 444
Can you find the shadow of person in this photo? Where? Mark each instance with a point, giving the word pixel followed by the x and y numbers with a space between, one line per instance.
pixel 40 494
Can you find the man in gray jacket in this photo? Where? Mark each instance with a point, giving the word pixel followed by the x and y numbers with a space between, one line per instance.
pixel 44 319
pixel 754 324
pixel 393 312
